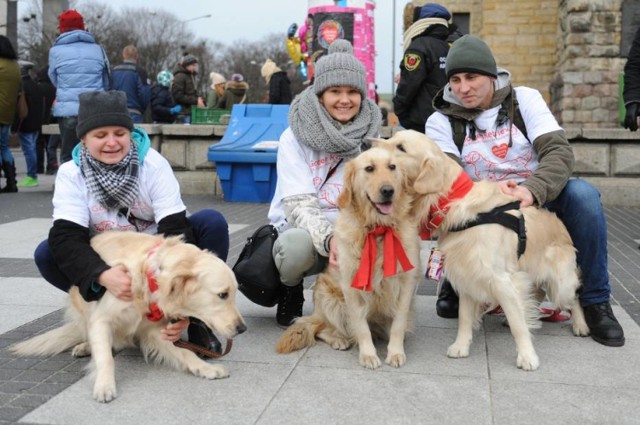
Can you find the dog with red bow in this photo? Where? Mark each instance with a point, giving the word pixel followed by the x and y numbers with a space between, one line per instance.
pixel 371 291
pixel 170 279
pixel 495 253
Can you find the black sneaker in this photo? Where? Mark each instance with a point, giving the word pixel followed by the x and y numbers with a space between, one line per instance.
pixel 603 325
pixel 289 304
pixel 201 335
pixel 447 304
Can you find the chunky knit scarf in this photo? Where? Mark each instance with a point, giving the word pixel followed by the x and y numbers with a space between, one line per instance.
pixel 115 186
pixel 314 127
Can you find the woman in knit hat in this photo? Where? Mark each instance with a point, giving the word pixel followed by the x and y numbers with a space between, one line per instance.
pixel 163 108
pixel 216 91
pixel 327 123
pixel 530 158
pixel 112 183
pixel 235 92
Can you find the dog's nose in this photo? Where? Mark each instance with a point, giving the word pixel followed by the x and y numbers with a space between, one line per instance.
pixel 387 192
pixel 241 328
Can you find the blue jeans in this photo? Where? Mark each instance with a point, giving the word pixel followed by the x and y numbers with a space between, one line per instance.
pixel 580 209
pixel 210 229
pixel 28 145
pixel 5 151
pixel 68 136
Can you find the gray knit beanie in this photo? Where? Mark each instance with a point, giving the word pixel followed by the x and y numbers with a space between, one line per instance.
pixel 470 54
pixel 339 67
pixel 102 108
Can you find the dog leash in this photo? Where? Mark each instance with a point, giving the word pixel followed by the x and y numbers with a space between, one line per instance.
pixel 198 349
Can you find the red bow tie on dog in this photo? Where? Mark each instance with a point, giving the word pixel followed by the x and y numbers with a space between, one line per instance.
pixel 393 252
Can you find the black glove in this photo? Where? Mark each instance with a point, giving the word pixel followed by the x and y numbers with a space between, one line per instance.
pixel 631 118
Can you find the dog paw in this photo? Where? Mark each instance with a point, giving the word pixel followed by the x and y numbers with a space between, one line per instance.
pixel 396 360
pixel 528 362
pixel 370 362
pixel 104 392
pixel 456 350
pixel 212 371
pixel 340 344
pixel 580 329
pixel 81 350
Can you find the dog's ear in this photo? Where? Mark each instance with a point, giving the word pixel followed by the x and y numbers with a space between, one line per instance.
pixel 346 195
pixel 431 177
pixel 370 142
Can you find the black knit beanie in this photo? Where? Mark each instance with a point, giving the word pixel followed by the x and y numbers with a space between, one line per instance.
pixel 102 108
pixel 470 54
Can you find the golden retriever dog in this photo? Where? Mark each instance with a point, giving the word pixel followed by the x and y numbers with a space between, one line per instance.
pixel 373 197
pixel 482 262
pixel 191 283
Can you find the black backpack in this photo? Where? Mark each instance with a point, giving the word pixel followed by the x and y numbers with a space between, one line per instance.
pixel 509 104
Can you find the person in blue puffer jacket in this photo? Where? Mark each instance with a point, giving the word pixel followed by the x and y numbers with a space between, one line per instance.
pixel 77 64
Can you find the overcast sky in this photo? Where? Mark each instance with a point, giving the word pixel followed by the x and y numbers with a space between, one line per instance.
pixel 252 19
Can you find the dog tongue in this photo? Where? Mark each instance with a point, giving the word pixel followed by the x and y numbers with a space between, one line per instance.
pixel 385 208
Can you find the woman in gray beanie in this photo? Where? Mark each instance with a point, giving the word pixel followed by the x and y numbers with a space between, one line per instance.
pixel 328 121
pixel 111 183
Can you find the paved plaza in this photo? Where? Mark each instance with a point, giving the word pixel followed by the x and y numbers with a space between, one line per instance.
pixel 578 382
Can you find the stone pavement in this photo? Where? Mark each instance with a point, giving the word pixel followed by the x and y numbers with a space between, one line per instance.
pixel 578 382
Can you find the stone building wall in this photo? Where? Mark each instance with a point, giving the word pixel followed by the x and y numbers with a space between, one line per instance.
pixel 567 49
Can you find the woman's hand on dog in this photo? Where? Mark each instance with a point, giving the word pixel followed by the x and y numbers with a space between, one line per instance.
pixel 117 280
pixel 174 329
pixel 510 187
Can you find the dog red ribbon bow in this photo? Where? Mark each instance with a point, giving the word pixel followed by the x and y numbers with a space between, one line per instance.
pixel 393 252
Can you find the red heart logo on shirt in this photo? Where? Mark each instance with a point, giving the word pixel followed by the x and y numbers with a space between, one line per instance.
pixel 500 151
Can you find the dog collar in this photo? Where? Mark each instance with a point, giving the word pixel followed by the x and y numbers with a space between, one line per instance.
pixel 393 252
pixel 154 314
pixel 438 212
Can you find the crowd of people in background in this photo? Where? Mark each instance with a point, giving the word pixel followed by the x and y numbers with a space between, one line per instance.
pixel 31 98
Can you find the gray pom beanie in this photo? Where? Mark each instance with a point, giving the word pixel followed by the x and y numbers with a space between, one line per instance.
pixel 339 67
pixel 102 108
pixel 470 54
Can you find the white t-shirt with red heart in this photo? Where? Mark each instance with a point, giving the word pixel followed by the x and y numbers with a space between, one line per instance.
pixel 489 156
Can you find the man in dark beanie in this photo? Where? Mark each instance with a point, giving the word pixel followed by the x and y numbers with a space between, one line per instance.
pixel 77 64
pixel 426 44
pixel 185 88
pixel 509 135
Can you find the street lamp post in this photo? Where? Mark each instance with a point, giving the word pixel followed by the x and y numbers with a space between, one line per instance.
pixel 393 50
pixel 196 18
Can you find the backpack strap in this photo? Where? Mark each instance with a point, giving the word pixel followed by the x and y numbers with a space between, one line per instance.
pixel 516 117
pixel 459 131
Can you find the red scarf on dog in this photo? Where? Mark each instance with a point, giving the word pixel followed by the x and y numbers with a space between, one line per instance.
pixel 393 252
pixel 154 314
pixel 437 213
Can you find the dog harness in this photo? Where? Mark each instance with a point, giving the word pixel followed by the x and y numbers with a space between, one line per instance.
pixel 154 314
pixel 393 252
pixel 499 215
pixel 437 213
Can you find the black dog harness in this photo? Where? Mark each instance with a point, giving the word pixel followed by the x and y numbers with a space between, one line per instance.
pixel 498 215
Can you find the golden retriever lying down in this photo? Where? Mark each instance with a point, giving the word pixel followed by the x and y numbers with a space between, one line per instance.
pixel 482 262
pixel 191 283
pixel 373 196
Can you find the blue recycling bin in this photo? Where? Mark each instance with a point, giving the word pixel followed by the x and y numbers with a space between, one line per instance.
pixel 246 156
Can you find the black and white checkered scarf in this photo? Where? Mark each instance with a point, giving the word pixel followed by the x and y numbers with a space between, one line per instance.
pixel 115 186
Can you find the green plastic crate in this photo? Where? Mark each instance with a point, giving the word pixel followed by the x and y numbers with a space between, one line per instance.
pixel 208 116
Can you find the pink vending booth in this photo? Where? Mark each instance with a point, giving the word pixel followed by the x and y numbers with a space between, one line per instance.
pixel 349 19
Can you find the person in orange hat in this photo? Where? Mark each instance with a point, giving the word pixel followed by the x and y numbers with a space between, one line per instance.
pixel 77 64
